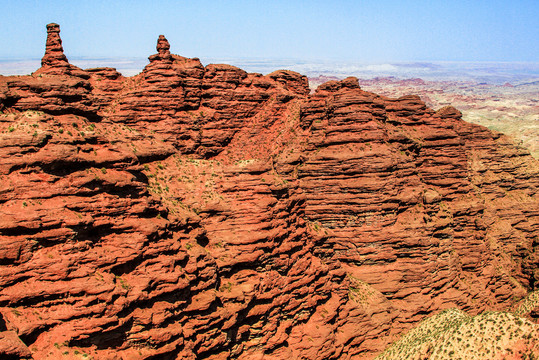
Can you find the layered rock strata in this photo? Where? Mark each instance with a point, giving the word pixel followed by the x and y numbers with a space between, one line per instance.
pixel 203 212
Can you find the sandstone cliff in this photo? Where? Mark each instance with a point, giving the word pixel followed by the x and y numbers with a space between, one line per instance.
pixel 203 212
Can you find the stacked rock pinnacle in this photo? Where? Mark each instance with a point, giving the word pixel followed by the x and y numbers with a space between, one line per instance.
pixel 54 61
pixel 163 50
pixel 54 52
pixel 163 47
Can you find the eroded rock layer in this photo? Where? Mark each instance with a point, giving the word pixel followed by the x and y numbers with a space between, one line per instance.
pixel 203 212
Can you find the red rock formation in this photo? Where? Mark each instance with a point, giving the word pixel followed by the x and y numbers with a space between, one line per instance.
pixel 54 61
pixel 163 47
pixel 54 52
pixel 205 212
pixel 57 87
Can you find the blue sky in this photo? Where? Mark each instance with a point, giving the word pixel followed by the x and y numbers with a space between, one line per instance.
pixel 363 31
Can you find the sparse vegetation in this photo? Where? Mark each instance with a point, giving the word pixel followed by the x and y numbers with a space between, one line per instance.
pixel 226 287
pixel 454 334
pixel 123 283
pixel 527 304
pixel 360 291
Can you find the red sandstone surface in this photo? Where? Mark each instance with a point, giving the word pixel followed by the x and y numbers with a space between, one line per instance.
pixel 203 212
pixel 510 109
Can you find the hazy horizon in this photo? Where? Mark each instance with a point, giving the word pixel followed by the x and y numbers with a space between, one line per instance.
pixel 489 72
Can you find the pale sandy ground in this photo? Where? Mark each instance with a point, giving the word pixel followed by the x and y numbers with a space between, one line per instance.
pixel 453 334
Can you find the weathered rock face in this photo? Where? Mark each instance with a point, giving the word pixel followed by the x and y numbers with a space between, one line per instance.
pixel 56 88
pixel 54 61
pixel 204 212
pixel 54 52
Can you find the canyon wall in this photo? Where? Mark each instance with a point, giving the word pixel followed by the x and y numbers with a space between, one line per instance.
pixel 203 212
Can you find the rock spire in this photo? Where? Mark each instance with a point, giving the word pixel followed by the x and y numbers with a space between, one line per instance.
pixel 54 61
pixel 163 49
pixel 54 52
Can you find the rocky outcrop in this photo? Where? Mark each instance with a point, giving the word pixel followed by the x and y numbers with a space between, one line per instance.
pixel 56 88
pixel 205 212
pixel 54 57
pixel 54 61
pixel 407 191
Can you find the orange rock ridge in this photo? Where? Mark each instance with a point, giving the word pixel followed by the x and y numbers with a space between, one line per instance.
pixel 203 212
